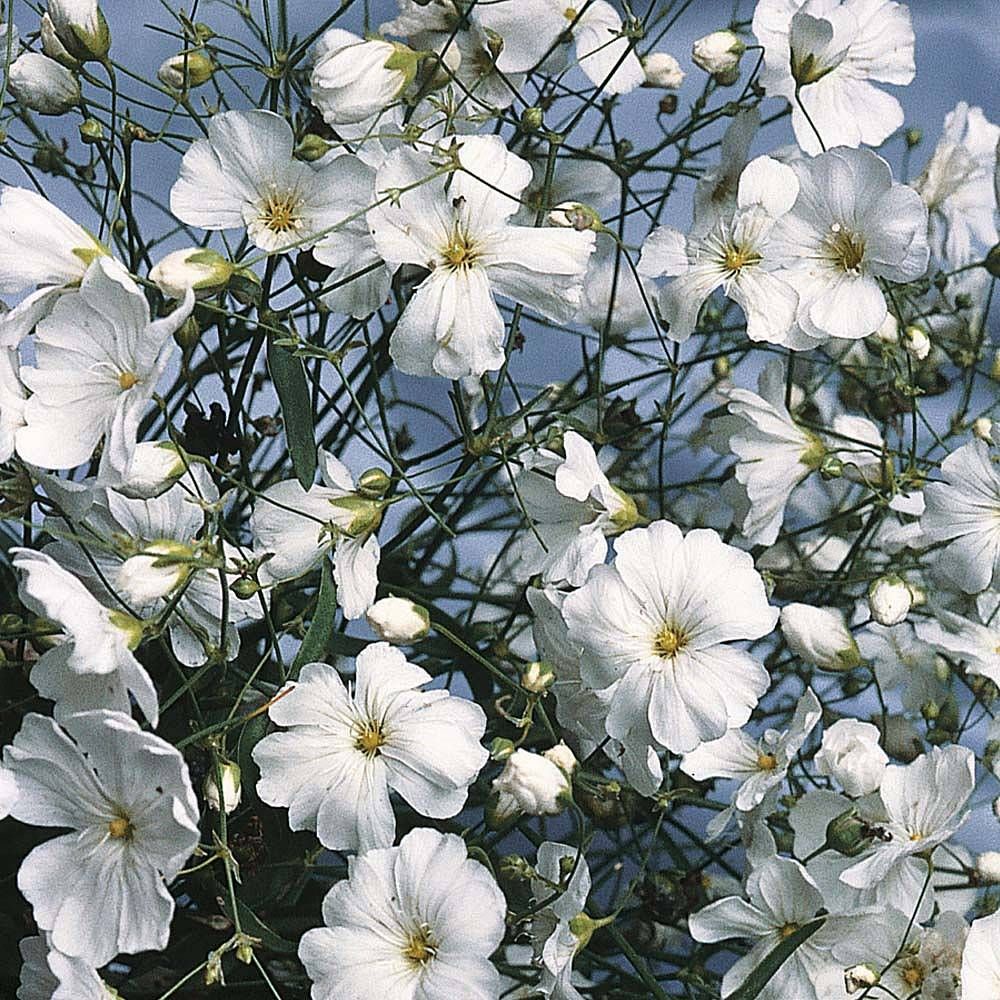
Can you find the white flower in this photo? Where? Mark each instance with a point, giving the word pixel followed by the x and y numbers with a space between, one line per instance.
pixel 718 53
pixel 93 666
pixel 12 397
pixel 831 51
pixel 716 189
pixel 155 467
pixel 398 620
pixel 47 974
pixel 978 645
pixel 957 186
pixel 80 27
pixel 924 803
pixel 964 511
pixel 423 914
pixel 851 754
pixel 353 79
pixel 901 660
pixel 774 454
pixel 819 636
pixel 8 792
pixel 98 359
pixel 558 930
pixel 733 255
pixel 562 757
pixel 607 274
pixel 530 783
pixel 889 599
pixel 451 326
pixel 43 85
pixel 662 70
pixel 531 28
pixel 300 526
pixel 981 959
pixel 850 226
pixel 760 765
pixel 345 750
pixel 658 627
pixel 916 343
pixel 126 799
pixel 781 897
pixel 573 508
pixel 988 866
pixel 244 176
pixel 40 248
pixel 205 271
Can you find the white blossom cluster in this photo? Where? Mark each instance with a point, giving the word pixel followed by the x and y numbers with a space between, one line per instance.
pixel 440 567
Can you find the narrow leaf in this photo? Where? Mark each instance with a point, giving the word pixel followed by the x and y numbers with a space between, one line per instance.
pixel 320 632
pixel 752 986
pixel 289 377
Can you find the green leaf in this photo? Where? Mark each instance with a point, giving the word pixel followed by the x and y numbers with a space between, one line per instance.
pixel 320 633
pixel 255 927
pixel 774 960
pixel 289 377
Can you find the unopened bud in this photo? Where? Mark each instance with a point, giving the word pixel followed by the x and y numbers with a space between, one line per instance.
pixel 563 758
pixel 80 29
pixel 312 148
pixel 205 271
pixel 537 677
pixel 42 84
pixel 992 262
pixel 848 834
pixel 575 215
pixel 982 427
pixel 662 70
pixel 889 599
pixel 232 789
pixel 188 334
pixel 916 342
pixel 722 367
pixel 860 977
pixel 374 483
pixel 186 70
pixel 831 467
pixel 398 620
pixel 91 131
pixel 532 119
pixel 501 748
pixel 161 567
pixel 244 588
pixel 719 53
pixel 988 866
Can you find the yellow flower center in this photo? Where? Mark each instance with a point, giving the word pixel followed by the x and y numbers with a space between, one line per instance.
pixel 369 737
pixel 127 379
pixel 788 930
pixel 736 258
pixel 913 973
pixel 279 213
pixel 766 761
pixel 845 249
pixel 120 828
pixel 460 252
pixel 571 13
pixel 420 946
pixel 669 640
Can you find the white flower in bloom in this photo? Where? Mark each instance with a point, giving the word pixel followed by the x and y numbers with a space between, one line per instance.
pixel 573 508
pixel 733 255
pixel 555 931
pixel 398 620
pixel 759 764
pixel 902 661
pixel 633 296
pixel 43 85
pixel 658 628
pixel 819 636
pixel 662 70
pixel 47 974
pixel 452 326
pixel 957 186
pixel 531 28
pixel 850 753
pixel 244 176
pixel 126 799
pixel 40 248
pixel 981 959
pixel 964 511
pixel 12 397
pixel 963 639
pixel 832 52
pixel 300 526
pixel 345 750
pixel 108 533
pixel 850 226
pixel 781 897
pixel 774 454
pixel 530 783
pixel 422 914
pixel 715 191
pixel 924 803
pixel 93 666
pixel 98 359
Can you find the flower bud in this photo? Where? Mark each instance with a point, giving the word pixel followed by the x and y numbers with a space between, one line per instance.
pixel 916 342
pixel 819 636
pixel 575 215
pixel 532 784
pixel 130 627
pixel 312 148
pixel 80 28
pixel 186 70
pixel 848 834
pixel 996 807
pixel 537 677
pixel 52 47
pixel 374 483
pixel 850 753
pixel 205 271
pixel 154 572
pixel 888 332
pixel 398 620
pixel 992 262
pixel 988 866
pixel 719 53
pixel 155 467
pixel 889 599
pixel 354 79
pixel 662 70
pixel 91 132
pixel 532 119
pixel 860 977
pixel 563 758
pixel 232 790
pixel 356 516
pixel 43 85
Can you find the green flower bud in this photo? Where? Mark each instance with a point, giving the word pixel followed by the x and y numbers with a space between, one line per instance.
pixel 312 148
pixel 374 483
